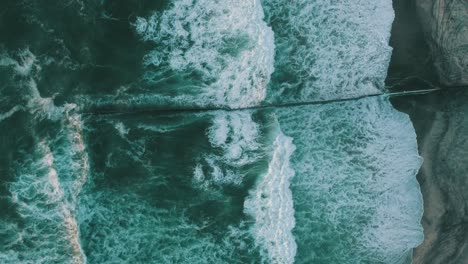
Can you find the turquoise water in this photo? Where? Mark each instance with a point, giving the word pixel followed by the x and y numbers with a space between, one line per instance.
pixel 119 145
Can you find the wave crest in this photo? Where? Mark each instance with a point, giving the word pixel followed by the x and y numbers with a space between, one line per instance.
pixel 225 45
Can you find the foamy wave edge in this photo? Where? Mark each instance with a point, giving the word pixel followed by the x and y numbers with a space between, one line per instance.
pixel 271 205
pixel 229 46
pixel 46 188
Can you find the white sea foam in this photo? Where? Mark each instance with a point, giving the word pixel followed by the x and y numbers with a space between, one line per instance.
pixel 271 205
pixel 25 64
pixel 124 227
pixel 74 155
pixel 28 68
pixel 158 128
pixel 50 231
pixel 236 135
pixel 44 107
pixel 48 180
pixel 10 112
pixel 330 49
pixel 158 232
pixel 227 43
pixel 171 122
pixel 354 190
pixel 123 131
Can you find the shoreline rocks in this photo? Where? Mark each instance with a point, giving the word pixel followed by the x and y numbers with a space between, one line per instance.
pixel 441 123
pixel 445 26
pixel 430 48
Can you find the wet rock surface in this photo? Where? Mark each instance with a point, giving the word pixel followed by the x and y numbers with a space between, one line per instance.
pixel 441 123
pixel 445 24
pixel 411 57
pixel 430 49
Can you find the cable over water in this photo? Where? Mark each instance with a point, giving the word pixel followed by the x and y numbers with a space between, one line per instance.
pixel 281 105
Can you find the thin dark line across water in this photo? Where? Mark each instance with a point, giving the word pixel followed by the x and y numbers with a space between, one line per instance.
pixel 156 110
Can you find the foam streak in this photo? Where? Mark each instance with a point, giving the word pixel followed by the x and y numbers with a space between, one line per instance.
pixel 271 205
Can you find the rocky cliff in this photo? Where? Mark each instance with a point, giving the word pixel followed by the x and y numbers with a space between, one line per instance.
pixel 430 43
pixel 445 24
pixel 411 56
pixel 441 123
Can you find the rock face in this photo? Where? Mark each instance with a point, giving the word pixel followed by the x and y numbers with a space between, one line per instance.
pixel 430 37
pixel 441 123
pixel 411 56
pixel 445 24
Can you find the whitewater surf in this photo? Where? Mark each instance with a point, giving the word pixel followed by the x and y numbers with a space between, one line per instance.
pixel 327 183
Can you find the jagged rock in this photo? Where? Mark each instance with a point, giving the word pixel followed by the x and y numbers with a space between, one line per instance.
pixel 445 23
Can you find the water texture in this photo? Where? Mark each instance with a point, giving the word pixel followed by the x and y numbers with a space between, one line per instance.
pixel 121 146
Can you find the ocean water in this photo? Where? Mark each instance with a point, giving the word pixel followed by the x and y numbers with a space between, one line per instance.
pixel 163 132
pixel 356 198
pixel 329 50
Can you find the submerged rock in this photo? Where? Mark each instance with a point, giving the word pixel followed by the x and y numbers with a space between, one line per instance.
pixel 445 24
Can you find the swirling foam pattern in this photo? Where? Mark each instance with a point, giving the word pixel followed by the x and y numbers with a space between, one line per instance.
pixel 225 47
pixel 330 183
pixel 271 205
pixel 355 193
pixel 329 49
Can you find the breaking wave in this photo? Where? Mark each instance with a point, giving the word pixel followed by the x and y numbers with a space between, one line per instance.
pixel 354 190
pixel 225 47
pixel 271 205
pixel 45 191
pixel 222 186
pixel 329 49
pixel 47 180
pixel 236 135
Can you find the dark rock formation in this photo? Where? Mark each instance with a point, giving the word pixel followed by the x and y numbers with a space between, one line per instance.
pixel 430 41
pixel 445 24
pixel 441 123
pixel 411 57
